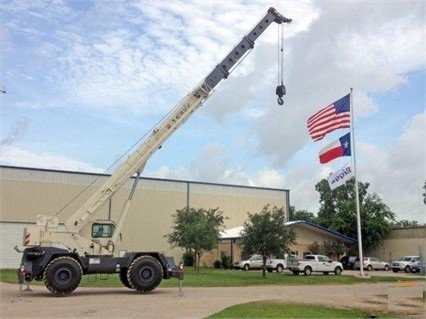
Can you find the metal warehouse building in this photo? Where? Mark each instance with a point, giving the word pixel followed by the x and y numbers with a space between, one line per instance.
pixel 27 192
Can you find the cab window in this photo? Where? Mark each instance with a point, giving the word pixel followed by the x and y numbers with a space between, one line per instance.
pixel 102 230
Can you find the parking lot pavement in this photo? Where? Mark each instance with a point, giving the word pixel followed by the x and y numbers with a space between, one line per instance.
pixel 200 302
pixel 388 273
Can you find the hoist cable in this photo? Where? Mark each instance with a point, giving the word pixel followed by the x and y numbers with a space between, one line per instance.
pixel 280 90
pixel 281 54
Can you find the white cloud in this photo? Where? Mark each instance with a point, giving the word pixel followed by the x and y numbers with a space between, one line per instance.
pixel 135 61
pixel 10 155
pixel 167 172
pixel 397 174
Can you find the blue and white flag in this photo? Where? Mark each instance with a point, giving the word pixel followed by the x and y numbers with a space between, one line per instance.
pixel 340 177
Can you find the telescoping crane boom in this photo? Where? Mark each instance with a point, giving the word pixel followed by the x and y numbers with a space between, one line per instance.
pixel 61 256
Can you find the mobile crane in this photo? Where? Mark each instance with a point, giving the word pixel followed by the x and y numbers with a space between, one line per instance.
pixel 88 245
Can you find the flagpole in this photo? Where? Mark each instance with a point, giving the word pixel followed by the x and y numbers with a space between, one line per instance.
pixel 358 214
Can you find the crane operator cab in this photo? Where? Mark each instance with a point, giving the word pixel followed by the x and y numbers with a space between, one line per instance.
pixel 102 230
pixel 101 233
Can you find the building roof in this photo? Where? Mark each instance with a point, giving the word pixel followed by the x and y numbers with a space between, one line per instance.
pixel 234 233
pixel 231 233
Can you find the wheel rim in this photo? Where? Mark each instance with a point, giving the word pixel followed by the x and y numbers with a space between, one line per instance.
pixel 63 276
pixel 145 274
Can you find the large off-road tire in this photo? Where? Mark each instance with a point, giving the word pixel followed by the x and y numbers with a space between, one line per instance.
pixel 407 269
pixel 123 278
pixel 246 267
pixel 62 275
pixel 145 273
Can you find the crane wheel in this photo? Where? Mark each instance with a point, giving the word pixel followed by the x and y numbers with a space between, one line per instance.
pixel 123 278
pixel 62 275
pixel 145 273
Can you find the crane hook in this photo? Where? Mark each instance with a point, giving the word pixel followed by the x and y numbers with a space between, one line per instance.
pixel 280 91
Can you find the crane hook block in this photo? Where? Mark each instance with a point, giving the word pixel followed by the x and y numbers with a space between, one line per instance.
pixel 280 91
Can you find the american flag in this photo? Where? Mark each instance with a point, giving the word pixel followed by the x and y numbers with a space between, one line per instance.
pixel 332 117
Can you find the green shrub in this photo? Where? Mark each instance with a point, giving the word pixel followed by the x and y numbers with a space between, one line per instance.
pixel 217 264
pixel 226 261
pixel 188 259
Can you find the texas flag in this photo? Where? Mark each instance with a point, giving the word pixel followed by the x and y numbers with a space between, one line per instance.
pixel 340 147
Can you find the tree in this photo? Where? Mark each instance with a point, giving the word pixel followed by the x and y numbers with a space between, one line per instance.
pixel 338 212
pixel 332 247
pixel 405 223
pixel 196 230
pixel 301 215
pixel 266 234
pixel 314 248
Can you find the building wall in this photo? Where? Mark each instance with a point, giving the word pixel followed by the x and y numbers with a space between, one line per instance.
pixel 25 193
pixel 406 241
pixel 305 236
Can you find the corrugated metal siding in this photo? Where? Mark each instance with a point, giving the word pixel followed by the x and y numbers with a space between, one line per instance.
pixel 235 202
pixel 28 192
pixel 407 232
pixel 407 241
pixel 11 236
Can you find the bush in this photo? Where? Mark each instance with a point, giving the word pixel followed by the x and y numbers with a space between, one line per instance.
pixel 188 259
pixel 217 264
pixel 226 261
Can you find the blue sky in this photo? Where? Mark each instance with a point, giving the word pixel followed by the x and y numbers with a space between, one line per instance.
pixel 85 80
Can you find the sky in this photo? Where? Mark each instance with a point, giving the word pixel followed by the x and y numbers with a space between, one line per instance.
pixel 86 80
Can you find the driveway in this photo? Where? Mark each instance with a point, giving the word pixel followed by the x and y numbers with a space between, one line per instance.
pixel 110 303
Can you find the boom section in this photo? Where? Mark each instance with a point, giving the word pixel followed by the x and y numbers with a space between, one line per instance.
pixel 179 115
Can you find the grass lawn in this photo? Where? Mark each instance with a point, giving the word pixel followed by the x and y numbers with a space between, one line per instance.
pixel 209 277
pixel 271 309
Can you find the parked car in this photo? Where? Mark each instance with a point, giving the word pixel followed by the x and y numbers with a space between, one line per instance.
pixel 407 264
pixel 348 262
pixel 372 263
pixel 254 262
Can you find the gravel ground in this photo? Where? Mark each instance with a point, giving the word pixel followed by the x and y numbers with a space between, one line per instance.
pixel 403 297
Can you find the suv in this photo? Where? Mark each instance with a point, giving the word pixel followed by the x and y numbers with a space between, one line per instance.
pixel 254 262
pixel 348 262
pixel 407 264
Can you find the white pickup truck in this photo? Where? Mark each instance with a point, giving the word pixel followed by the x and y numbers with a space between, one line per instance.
pixel 315 263
pixel 279 264
pixel 407 264
pixel 256 262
